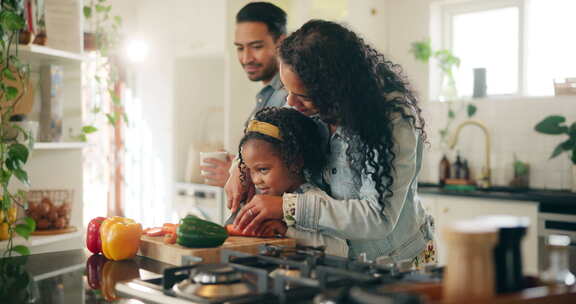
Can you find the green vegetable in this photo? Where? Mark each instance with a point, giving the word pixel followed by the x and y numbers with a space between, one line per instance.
pixel 194 232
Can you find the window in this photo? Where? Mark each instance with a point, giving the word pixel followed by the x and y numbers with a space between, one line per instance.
pixel 523 45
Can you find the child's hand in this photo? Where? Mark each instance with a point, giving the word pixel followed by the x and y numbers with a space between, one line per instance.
pixel 235 190
pixel 272 228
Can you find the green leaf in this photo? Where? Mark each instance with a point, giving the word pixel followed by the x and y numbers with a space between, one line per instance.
pixel 125 117
pixel 23 250
pixel 443 132
pixel 559 149
pixel 82 137
pixel 89 129
pixel 115 98
pixel 22 176
pixel 100 8
pixel 19 151
pixel 574 156
pixel 471 110
pixel 111 118
pixel 8 74
pixel 4 176
pixel 97 78
pixel 520 168
pixel 11 21
pixel 13 164
pixel 23 230
pixel 96 110
pixel 31 223
pixel 572 130
pixel 421 50
pixel 551 125
pixel 451 114
pixel 11 93
pixel 87 12
pixel 118 20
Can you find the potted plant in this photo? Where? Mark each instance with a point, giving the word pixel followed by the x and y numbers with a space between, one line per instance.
pixel 13 153
pixel 556 125
pixel 447 62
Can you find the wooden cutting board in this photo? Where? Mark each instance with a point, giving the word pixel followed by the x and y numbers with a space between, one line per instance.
pixel 154 248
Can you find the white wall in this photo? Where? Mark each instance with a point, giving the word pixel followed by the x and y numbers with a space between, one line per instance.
pixel 180 78
pixel 511 122
pixel 511 125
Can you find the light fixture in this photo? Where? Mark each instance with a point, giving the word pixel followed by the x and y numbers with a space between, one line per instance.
pixel 136 50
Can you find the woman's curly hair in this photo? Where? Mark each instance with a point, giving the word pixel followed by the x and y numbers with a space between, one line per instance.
pixel 356 87
pixel 300 141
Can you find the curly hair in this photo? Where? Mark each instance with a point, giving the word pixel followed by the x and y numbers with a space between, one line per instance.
pixel 354 86
pixel 300 141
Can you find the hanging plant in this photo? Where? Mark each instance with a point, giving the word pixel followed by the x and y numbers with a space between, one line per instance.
pixel 15 142
pixel 105 28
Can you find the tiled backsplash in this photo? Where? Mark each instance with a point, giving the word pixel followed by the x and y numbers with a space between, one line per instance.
pixel 511 126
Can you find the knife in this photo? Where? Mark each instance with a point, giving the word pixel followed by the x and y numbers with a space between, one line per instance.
pixel 232 217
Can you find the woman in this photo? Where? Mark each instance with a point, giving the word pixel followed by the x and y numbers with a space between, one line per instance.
pixel 374 134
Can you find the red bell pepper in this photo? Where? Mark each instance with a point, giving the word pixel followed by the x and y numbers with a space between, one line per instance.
pixel 94 266
pixel 93 241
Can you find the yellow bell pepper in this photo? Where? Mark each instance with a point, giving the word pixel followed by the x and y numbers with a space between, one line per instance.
pixel 120 238
pixel 8 215
pixel 12 213
pixel 114 272
pixel 4 231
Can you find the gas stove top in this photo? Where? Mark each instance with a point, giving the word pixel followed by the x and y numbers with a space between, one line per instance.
pixel 280 275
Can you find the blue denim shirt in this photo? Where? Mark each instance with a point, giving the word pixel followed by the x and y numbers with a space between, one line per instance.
pixel 352 211
pixel 271 95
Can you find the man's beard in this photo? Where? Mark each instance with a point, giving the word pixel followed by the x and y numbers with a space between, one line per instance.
pixel 266 75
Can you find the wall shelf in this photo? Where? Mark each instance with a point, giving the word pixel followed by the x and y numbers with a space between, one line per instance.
pixel 38 53
pixel 39 240
pixel 59 145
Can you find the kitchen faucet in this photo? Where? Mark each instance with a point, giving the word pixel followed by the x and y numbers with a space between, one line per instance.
pixel 484 181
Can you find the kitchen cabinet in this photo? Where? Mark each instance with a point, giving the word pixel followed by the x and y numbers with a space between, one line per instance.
pixel 448 209
pixel 59 165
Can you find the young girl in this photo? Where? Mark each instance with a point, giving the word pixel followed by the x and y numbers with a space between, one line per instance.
pixel 279 152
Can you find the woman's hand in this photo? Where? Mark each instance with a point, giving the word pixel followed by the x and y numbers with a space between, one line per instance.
pixel 235 191
pixel 259 209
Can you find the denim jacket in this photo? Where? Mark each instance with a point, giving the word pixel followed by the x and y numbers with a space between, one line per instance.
pixel 352 211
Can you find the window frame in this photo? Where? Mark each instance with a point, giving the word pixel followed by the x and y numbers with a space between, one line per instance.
pixel 449 10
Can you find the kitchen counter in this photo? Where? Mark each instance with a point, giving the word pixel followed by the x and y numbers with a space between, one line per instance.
pixel 68 277
pixel 61 277
pixel 548 199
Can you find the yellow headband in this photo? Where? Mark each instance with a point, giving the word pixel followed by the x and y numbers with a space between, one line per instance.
pixel 264 128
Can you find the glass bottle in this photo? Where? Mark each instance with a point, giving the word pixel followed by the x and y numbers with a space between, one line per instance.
pixel 558 271
pixel 457 167
pixel 444 170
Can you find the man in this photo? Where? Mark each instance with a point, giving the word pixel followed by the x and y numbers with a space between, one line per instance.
pixel 260 27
